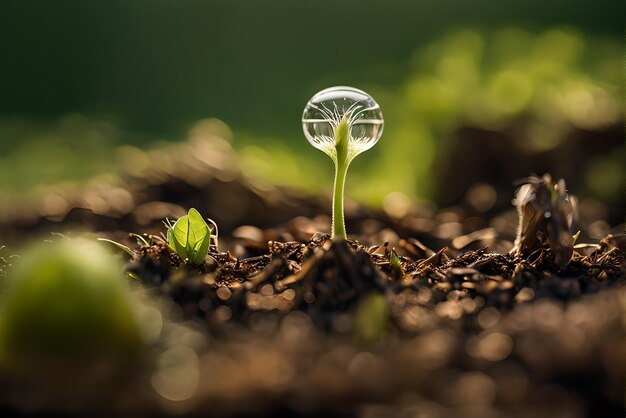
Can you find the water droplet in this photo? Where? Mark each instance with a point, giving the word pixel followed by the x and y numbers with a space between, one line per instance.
pixel 328 108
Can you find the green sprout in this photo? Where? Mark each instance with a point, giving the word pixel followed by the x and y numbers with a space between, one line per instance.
pixel 190 237
pixel 342 122
pixel 122 247
pixel 396 263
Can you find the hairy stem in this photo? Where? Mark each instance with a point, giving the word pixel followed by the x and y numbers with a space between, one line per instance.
pixel 339 225
pixel 341 168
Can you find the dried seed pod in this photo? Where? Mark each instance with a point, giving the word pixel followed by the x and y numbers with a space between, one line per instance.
pixel 546 214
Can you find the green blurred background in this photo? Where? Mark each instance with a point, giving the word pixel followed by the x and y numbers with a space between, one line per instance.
pixel 473 92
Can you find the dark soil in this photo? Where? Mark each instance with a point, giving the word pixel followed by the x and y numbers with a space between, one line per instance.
pixel 472 335
pixel 283 321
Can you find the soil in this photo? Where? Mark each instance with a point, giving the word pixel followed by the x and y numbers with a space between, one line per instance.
pixel 430 313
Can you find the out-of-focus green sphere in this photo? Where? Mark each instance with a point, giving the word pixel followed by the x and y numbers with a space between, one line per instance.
pixel 66 303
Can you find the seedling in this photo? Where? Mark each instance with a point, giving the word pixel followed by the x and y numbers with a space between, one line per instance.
pixel 342 122
pixel 396 263
pixel 190 237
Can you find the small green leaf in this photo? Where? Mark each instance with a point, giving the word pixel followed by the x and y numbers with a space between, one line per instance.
pixel 173 237
pixel 342 135
pixel 199 237
pixel 181 231
pixel 201 250
pixel 197 228
pixel 180 250
pixel 190 237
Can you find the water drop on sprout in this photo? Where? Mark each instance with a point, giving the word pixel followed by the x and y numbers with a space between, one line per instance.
pixel 342 122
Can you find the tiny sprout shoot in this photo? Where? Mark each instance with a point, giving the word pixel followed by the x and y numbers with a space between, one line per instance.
pixel 146 240
pixel 575 237
pixel 140 239
pixel 394 260
pixel 190 237
pixel 342 122
pixel 122 247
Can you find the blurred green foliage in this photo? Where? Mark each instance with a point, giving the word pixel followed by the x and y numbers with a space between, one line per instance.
pixel 538 86
pixel 36 155
pixel 545 84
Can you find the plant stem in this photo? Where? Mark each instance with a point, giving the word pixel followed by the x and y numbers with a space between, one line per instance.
pixel 339 225
pixel 341 168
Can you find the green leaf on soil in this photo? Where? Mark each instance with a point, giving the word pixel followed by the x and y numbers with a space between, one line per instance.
pixel 173 241
pixel 395 262
pixel 190 237
pixel 199 237
pixel 181 232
